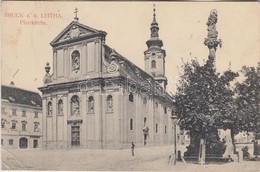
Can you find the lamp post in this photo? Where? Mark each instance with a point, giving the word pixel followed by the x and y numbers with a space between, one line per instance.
pixel 174 119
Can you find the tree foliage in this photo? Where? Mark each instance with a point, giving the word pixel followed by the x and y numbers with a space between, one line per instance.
pixel 247 99
pixel 204 101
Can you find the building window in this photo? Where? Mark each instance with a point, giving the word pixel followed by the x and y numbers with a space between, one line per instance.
pixel 109 103
pixel 13 125
pixel 24 125
pixel 2 141
pixel 145 121
pixel 49 109
pixel 131 124
pixel 153 64
pixel 75 108
pixel 91 104
pixel 2 123
pixel 36 127
pixel 131 97
pixel 156 128
pixel 14 112
pixel 36 115
pixel 165 110
pixel 60 107
pixel 11 142
pixel 165 129
pixel 23 113
pixel 75 59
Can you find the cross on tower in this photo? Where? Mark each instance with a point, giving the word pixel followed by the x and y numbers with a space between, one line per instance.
pixel 76 12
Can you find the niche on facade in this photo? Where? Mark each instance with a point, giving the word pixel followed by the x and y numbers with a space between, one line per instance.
pixel 60 107
pixel 75 61
pixel 91 104
pixel 75 106
pixel 109 103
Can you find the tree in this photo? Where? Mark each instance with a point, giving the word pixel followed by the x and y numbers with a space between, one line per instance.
pixel 203 99
pixel 247 100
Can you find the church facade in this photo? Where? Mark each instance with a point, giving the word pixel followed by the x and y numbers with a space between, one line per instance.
pixel 96 98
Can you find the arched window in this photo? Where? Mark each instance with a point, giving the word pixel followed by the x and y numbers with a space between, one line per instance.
pixel 91 103
pixel 131 124
pixel 75 61
pixel 153 64
pixel 131 97
pixel 156 128
pixel 49 110
pixel 75 108
pixel 109 103
pixel 60 107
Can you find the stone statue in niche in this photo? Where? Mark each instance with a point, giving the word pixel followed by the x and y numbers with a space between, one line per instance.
pixel 91 104
pixel 47 77
pixel 75 61
pixel 109 103
pixel 75 105
pixel 60 107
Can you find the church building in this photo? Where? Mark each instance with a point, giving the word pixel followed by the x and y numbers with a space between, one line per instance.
pixel 96 98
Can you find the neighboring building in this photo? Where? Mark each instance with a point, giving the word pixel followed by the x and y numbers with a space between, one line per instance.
pixel 21 118
pixel 96 98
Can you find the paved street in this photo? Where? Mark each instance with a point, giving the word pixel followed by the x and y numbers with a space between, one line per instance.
pixel 145 159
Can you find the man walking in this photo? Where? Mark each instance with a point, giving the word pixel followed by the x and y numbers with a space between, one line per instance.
pixel 132 148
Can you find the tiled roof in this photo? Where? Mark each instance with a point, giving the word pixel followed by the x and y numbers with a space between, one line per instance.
pixel 131 71
pixel 20 96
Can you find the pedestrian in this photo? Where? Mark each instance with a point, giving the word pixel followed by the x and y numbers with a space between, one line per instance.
pixel 133 148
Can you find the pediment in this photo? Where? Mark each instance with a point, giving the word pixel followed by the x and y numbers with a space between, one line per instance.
pixel 73 31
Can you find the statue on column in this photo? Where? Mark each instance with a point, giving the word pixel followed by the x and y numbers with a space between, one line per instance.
pixel 47 77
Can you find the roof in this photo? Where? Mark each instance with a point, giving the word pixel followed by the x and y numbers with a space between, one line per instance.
pixel 76 31
pixel 20 96
pixel 137 74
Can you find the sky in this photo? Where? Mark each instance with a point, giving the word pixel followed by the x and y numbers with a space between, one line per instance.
pixel 26 48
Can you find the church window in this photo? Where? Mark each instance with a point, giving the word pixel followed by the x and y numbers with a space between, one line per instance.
pixel 131 124
pixel 23 113
pixel 153 63
pixel 75 59
pixel 145 121
pixel 60 107
pixel 13 125
pixel 49 109
pixel 91 103
pixel 36 127
pixel 165 110
pixel 11 142
pixel 131 97
pixel 24 125
pixel 75 108
pixel 156 128
pixel 14 112
pixel 109 103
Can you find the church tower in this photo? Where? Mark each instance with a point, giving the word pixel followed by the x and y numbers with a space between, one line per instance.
pixel 154 56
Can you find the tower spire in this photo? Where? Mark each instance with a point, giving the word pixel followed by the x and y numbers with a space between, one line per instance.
pixel 211 41
pixel 76 12
pixel 154 14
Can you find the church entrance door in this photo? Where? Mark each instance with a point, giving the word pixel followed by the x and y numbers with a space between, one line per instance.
pixel 75 136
